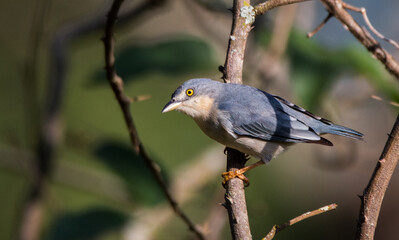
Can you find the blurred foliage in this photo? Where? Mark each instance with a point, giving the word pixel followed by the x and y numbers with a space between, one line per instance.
pixel 315 68
pixel 121 159
pixel 87 224
pixel 174 57
pixel 13 186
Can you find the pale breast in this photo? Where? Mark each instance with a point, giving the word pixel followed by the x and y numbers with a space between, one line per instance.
pixel 258 148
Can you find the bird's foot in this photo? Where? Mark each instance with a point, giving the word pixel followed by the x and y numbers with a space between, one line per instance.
pixel 240 173
pixel 235 174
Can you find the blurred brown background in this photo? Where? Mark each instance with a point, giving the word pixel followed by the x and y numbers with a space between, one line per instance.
pixel 56 105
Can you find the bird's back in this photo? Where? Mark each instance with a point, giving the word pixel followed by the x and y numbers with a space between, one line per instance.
pixel 255 113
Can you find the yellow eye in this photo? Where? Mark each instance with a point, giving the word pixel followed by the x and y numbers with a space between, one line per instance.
pixel 189 92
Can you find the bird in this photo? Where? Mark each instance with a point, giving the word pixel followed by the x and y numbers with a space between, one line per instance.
pixel 250 120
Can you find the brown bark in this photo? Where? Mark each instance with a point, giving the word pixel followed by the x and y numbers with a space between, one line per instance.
pixel 235 202
pixel 375 190
pixel 232 73
pixel 337 9
pixel 116 84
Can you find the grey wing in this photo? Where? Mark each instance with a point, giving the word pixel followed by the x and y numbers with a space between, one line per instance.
pixel 282 132
pixel 265 122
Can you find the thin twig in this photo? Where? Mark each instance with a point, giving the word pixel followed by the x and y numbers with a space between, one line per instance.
pixel 149 221
pixel 321 25
pixel 335 7
pixel 376 188
pixel 264 7
pixel 117 86
pixel 279 228
pixel 39 133
pixel 378 98
pixel 139 98
pixel 366 19
pixel 351 7
pixel 363 11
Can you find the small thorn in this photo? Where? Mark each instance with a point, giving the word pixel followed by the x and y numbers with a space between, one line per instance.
pixel 221 69
pixel 225 150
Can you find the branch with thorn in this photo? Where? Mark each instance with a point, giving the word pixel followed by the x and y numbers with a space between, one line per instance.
pixel 374 193
pixel 116 84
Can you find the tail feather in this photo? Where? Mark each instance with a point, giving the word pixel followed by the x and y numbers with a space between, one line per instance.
pixel 344 131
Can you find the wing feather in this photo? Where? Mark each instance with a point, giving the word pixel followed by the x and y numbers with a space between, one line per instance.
pixel 264 121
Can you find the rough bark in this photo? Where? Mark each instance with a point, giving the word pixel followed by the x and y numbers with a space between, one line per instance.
pixel 232 73
pixel 375 190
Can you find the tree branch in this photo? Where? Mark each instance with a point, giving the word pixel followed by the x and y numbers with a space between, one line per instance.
pixel 336 8
pixel 32 215
pixel 375 190
pixel 278 228
pixel 233 66
pixel 369 25
pixel 243 17
pixel 232 72
pixel 146 222
pixel 321 25
pixel 235 202
pixel 124 102
pixel 262 8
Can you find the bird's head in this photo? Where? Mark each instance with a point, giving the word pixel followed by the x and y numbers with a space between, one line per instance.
pixel 195 97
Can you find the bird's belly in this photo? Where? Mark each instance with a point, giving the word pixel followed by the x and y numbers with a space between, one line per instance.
pixel 252 146
pixel 259 148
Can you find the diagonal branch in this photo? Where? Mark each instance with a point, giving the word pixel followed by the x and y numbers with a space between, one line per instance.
pixel 278 228
pixel 375 190
pixel 336 8
pixel 368 23
pixel 124 102
pixel 320 26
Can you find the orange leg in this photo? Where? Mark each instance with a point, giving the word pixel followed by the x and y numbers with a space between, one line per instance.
pixel 240 173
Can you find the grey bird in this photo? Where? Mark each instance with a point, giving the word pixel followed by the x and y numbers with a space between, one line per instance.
pixel 250 120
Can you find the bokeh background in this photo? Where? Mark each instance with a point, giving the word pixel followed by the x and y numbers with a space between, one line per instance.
pixel 52 82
